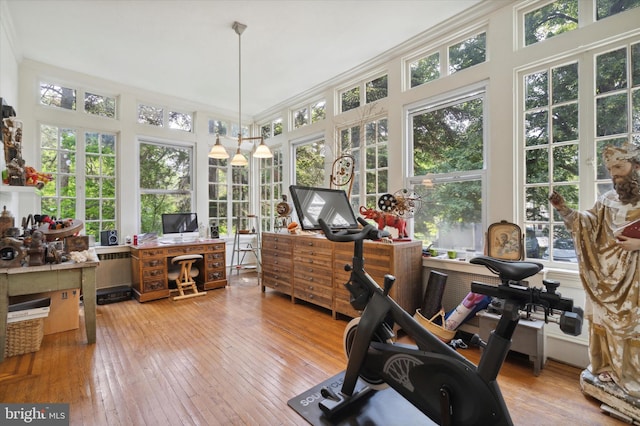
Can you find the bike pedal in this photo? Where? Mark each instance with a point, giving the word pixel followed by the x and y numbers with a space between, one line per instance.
pixel 328 393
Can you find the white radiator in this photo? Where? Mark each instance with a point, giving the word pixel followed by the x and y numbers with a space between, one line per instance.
pixel 114 269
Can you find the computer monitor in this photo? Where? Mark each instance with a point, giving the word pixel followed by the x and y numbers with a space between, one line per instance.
pixel 332 205
pixel 180 225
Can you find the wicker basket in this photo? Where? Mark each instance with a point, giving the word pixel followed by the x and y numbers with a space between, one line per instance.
pixel 24 337
pixel 439 330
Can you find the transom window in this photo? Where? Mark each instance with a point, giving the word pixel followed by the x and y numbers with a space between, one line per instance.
pixel 467 53
pixel 103 106
pixel 606 8
pixel 425 69
pixel 271 129
pixel 550 20
pixel 309 114
pixel 446 59
pixel 154 115
pixel 364 93
pixel 57 96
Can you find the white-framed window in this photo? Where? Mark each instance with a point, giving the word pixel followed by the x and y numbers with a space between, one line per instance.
pixel 309 113
pixel 424 69
pixel 180 121
pixel 363 93
pixel 219 170
pixel 101 105
pixel 218 127
pixel 551 152
pixel 550 20
pixel 151 114
pixel 606 8
pixel 468 52
pixel 368 144
pixel 58 96
pixel 240 200
pixel 447 158
pixel 83 166
pixel 309 162
pixel 229 197
pixel 556 156
pixel 166 183
pixel 271 129
pixel 271 187
pixel 447 58
pixel 154 115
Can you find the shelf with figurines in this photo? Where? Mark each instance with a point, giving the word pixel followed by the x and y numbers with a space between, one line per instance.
pixel 17 173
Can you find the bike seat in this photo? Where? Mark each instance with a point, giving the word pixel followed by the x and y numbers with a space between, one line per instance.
pixel 509 269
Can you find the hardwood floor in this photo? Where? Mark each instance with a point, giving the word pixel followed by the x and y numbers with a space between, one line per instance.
pixel 234 356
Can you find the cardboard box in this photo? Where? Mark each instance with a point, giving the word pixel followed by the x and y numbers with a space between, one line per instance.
pixel 64 311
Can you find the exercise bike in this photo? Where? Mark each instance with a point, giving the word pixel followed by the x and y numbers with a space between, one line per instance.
pixel 431 375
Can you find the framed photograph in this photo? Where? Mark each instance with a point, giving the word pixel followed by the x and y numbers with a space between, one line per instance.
pixel 505 241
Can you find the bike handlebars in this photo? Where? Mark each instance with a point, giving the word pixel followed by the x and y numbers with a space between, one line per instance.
pixel 570 316
pixel 524 295
pixel 367 232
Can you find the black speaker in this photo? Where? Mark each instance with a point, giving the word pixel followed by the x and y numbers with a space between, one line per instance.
pixel 215 232
pixel 109 238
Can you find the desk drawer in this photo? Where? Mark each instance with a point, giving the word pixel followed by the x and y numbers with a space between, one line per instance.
pixel 215 259
pixel 177 251
pixel 153 263
pixel 152 273
pixel 152 253
pixel 216 247
pixel 154 284
pixel 216 274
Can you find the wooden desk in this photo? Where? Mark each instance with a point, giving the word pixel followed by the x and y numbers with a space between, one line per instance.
pixel 52 277
pixel 150 263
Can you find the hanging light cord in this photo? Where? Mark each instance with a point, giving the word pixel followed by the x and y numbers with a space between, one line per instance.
pixel 239 28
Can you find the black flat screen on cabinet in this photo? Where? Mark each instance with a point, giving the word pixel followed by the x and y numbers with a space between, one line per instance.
pixel 331 205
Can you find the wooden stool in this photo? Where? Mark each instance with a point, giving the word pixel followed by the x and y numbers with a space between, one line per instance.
pixel 185 277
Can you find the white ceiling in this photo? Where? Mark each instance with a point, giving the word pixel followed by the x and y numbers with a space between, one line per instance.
pixel 187 48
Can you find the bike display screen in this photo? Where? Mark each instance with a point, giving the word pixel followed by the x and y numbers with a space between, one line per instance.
pixel 331 205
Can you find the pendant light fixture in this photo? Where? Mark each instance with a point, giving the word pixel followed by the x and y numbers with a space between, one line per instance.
pixel 218 151
pixel 262 150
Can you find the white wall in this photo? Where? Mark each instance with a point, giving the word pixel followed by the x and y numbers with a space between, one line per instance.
pixel 8 58
pixel 9 92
